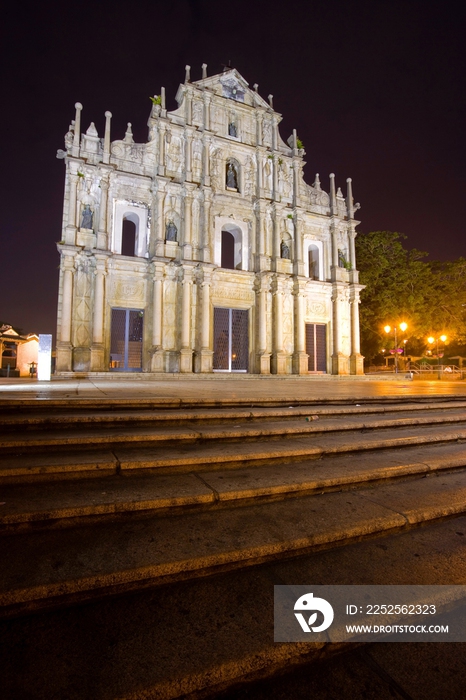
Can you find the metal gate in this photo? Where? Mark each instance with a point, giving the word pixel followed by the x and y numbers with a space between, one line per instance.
pixel 316 347
pixel 126 340
pixel 231 340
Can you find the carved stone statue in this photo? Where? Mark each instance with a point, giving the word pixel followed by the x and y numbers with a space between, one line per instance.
pixel 87 216
pixel 268 174
pixel 232 129
pixel 341 258
pixel 170 231
pixel 232 177
pixel 284 251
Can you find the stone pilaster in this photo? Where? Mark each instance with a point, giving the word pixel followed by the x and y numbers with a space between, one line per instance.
pixel 102 235
pixel 279 360
pixel 204 357
pixel 262 285
pixel 157 360
pixel 98 346
pixel 300 357
pixel 186 352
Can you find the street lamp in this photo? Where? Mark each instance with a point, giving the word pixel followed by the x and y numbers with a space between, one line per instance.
pixel 431 340
pixel 402 326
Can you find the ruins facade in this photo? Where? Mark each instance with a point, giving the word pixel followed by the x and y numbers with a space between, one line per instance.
pixel 203 249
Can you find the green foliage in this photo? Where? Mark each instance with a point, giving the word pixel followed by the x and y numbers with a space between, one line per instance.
pixel 299 144
pixel 156 100
pixel 402 286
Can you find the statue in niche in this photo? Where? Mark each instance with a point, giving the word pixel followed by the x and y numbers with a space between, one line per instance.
pixel 341 258
pixel 268 174
pixel 232 177
pixel 87 216
pixel 171 231
pixel 284 251
pixel 232 131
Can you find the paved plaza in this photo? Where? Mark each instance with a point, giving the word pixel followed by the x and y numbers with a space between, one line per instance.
pixel 220 387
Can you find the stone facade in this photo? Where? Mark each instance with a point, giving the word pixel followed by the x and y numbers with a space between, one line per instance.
pixel 203 249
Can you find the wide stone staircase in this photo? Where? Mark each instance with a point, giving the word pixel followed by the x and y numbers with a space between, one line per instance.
pixel 140 540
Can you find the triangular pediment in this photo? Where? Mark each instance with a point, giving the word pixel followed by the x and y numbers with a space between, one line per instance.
pixel 233 86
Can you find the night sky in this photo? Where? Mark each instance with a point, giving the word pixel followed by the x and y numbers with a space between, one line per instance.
pixel 375 89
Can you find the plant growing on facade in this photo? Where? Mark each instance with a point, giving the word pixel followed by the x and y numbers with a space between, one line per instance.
pixel 156 100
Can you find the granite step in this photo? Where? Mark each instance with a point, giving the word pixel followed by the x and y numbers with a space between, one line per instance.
pixel 50 568
pixel 289 444
pixel 311 425
pixel 200 637
pixel 65 503
pixel 43 417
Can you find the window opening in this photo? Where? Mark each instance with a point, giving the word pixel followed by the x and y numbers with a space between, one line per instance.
pixel 128 238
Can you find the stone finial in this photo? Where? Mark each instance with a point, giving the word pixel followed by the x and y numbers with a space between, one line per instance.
pixel 316 184
pixel 349 199
pixel 333 200
pixel 270 98
pixel 129 134
pixel 108 116
pixel 77 128
pixel 162 98
pixel 204 70
pixel 295 140
pixel 187 76
pixel 339 193
pixel 256 87
pixel 92 131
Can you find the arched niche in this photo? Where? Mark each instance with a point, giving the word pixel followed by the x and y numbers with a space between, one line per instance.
pixel 138 217
pixel 232 175
pixel 231 234
pixel 129 234
pixel 314 261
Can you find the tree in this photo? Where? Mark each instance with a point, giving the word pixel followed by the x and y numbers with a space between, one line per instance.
pixel 400 286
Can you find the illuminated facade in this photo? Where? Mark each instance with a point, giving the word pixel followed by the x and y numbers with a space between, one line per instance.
pixel 203 250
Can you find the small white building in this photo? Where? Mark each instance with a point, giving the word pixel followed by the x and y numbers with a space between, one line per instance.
pixel 204 250
pixel 19 353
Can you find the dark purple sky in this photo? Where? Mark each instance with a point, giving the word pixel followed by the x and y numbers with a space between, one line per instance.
pixel 375 89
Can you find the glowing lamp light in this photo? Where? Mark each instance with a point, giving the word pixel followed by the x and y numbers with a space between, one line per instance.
pixel 387 329
pixel 403 326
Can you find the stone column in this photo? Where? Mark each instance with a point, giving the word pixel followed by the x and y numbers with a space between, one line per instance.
pixel 102 236
pixel 352 248
pixel 187 238
pixel 356 359
pixel 279 358
pixel 188 150
pixel 300 357
pixel 207 101
pixel 206 176
pixel 64 348
pixel 157 361
pixel 186 352
pixel 263 356
pixel 339 360
pixel 276 194
pixel 160 236
pixel 207 233
pixel 204 358
pixel 161 168
pixel 298 246
pixel 70 231
pixel 98 347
